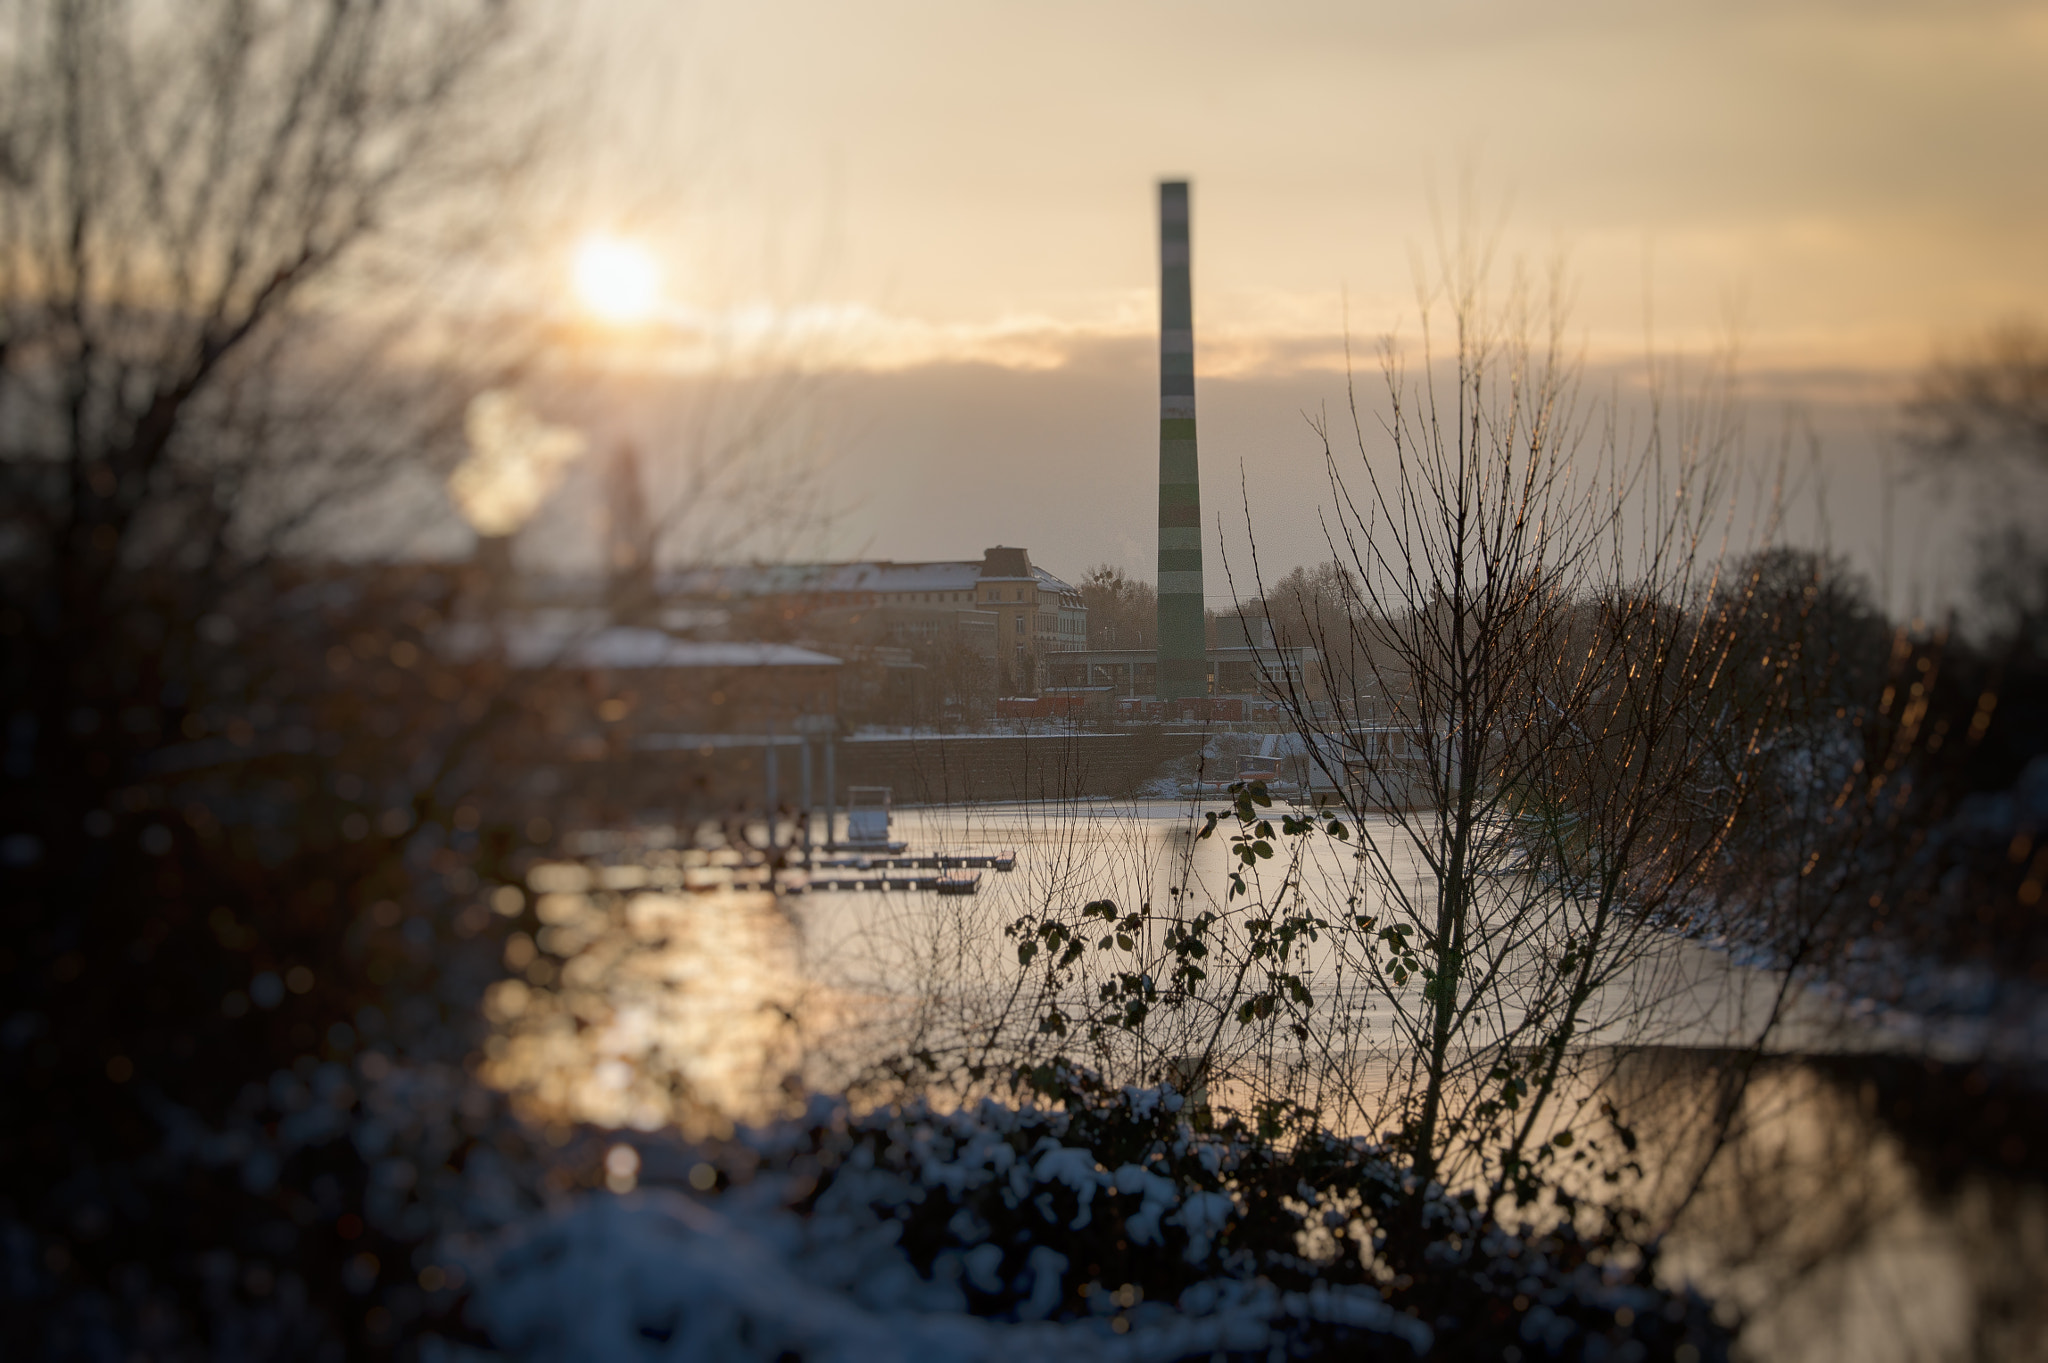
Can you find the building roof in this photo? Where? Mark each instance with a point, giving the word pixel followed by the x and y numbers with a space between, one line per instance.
pixel 537 644
pixel 824 579
pixel 869 577
pixel 1004 562
pixel 1047 580
pixel 626 648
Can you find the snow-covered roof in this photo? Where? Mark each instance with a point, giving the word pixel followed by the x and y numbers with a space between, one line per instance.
pixel 872 577
pixel 826 579
pixel 629 648
pixel 911 577
pixel 636 648
pixel 1048 580
pixel 622 647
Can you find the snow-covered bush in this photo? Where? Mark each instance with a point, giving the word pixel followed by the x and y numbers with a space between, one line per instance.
pixel 1104 1226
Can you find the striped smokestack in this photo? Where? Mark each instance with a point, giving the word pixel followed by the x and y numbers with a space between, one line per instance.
pixel 1183 656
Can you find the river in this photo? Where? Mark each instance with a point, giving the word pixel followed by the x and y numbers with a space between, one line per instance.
pixel 1863 1204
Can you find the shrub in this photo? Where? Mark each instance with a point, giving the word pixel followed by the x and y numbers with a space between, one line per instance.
pixel 1103 1225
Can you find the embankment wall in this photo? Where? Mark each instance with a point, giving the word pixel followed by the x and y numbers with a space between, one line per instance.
pixel 976 768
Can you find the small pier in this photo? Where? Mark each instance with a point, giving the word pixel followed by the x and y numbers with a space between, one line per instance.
pixel 797 879
pixel 988 861
pixel 930 884
pixel 787 860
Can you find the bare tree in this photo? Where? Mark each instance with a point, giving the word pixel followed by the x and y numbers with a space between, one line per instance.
pixel 194 208
pixel 1536 617
pixel 1310 603
pixel 1121 609
pixel 1536 751
pixel 227 235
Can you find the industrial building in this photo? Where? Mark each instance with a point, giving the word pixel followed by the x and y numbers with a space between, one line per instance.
pixel 1000 607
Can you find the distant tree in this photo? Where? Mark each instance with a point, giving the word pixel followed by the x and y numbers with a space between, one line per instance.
pixel 963 680
pixel 1986 400
pixel 1017 672
pixel 1315 607
pixel 1122 610
pixel 1312 605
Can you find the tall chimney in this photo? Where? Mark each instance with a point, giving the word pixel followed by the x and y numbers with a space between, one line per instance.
pixel 629 541
pixel 1183 656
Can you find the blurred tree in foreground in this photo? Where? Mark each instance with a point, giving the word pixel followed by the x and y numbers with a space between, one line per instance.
pixel 1902 824
pixel 232 817
pixel 1981 415
pixel 1812 629
pixel 1976 782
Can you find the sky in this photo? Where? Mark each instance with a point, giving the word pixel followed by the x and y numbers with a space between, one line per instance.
pixel 945 209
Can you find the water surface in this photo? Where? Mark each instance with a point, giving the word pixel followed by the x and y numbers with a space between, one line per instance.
pixel 1835 1229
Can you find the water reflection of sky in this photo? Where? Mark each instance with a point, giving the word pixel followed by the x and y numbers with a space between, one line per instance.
pixel 644 1003
pixel 1837 1235
pixel 648 997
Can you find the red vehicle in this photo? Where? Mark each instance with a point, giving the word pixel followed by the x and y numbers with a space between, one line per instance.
pixel 1193 710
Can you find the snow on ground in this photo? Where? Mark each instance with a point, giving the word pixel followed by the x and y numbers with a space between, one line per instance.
pixel 995 1232
pixel 659 1274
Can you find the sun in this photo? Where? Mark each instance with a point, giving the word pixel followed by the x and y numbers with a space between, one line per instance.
pixel 617 279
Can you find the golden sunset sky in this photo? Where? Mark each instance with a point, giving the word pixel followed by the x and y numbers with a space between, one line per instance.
pixel 951 203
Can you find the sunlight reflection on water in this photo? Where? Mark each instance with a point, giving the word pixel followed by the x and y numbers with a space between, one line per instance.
pixel 645 1003
pixel 670 1009
pixel 650 997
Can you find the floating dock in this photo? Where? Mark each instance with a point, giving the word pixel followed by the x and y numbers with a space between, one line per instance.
pixel 796 883
pixel 987 861
pixel 856 874
pixel 931 884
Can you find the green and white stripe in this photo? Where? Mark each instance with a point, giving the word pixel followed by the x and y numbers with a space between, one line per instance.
pixel 1183 655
